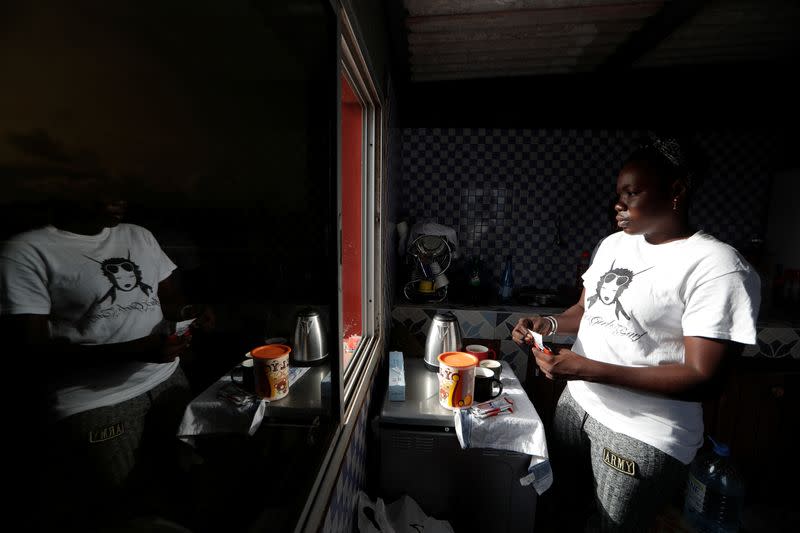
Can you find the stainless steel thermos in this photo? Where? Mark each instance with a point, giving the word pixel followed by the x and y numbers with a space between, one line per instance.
pixel 310 344
pixel 444 335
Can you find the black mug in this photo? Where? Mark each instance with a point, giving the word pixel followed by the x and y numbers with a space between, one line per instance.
pixel 242 375
pixel 484 381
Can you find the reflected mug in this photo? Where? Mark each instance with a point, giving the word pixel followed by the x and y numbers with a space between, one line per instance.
pixel 243 376
pixel 271 370
pixel 481 352
pixel 484 381
pixel 456 379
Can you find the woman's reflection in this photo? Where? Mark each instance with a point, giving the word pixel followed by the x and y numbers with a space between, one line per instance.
pixel 92 298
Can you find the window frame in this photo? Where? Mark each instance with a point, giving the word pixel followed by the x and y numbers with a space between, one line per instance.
pixel 355 383
pixel 354 67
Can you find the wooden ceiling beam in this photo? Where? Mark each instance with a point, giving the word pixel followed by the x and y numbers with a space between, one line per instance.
pixel 533 17
pixel 754 41
pixel 490 66
pixel 545 31
pixel 455 7
pixel 509 73
pixel 652 33
pixel 720 51
pixel 715 31
pixel 488 56
pixel 710 60
pixel 518 44
pixel 755 12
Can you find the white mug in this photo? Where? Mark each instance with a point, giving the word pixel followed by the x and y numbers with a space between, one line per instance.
pixel 494 365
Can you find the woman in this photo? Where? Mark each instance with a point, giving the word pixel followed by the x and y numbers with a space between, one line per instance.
pixel 88 296
pixel 663 309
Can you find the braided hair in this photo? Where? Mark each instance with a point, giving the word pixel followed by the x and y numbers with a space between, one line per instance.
pixel 672 158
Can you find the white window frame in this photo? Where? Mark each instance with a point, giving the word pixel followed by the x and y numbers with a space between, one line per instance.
pixel 354 67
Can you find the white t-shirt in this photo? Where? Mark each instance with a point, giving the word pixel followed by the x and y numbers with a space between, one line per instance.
pixel 641 301
pixel 96 289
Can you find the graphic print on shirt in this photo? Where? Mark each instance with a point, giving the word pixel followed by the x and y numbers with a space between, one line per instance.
pixel 611 286
pixel 123 274
pixel 125 278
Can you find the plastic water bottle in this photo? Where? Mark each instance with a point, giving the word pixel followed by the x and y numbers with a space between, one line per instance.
pixel 714 492
pixel 506 281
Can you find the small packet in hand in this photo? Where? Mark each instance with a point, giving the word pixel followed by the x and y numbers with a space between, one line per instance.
pixel 542 346
pixel 182 332
pixel 182 327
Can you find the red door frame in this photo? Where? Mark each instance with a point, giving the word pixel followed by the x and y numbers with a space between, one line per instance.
pixel 352 138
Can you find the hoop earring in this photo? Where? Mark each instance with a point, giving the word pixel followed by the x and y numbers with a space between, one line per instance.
pixel 675 204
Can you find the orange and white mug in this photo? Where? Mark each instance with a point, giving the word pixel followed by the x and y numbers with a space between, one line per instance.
pixel 271 370
pixel 456 379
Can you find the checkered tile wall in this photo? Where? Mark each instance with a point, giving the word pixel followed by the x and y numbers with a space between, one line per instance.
pixel 545 195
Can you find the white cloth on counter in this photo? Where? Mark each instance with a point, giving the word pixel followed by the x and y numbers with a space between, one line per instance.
pixel 225 408
pixel 521 431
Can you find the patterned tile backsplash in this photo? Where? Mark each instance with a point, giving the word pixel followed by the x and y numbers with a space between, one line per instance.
pixel 410 324
pixel 544 196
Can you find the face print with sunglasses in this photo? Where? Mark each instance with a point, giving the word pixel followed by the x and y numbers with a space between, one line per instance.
pixel 610 286
pixel 124 275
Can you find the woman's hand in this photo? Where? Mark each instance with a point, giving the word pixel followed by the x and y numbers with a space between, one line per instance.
pixel 203 315
pixel 521 335
pixel 566 364
pixel 174 346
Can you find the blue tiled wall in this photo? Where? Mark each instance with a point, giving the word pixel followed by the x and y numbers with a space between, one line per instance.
pixel 511 191
pixel 352 478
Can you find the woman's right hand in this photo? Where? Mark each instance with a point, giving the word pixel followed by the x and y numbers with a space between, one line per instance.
pixel 157 348
pixel 521 332
pixel 175 346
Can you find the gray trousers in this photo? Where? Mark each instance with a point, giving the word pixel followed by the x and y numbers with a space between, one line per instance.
pixel 607 481
pixel 103 462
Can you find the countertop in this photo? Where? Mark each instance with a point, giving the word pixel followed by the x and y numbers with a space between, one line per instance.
pixel 227 409
pixel 421 406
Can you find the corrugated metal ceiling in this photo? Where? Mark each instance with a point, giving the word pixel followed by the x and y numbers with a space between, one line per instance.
pixel 732 31
pixel 453 39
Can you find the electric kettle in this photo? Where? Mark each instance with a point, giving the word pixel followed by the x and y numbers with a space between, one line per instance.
pixel 310 344
pixel 444 335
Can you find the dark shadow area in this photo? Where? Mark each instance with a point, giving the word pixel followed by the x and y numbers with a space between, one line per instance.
pixel 220 121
